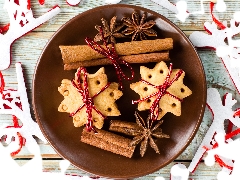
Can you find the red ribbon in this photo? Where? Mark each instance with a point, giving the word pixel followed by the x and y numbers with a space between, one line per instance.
pixel 4 28
pixel 41 2
pixel 21 139
pixel 87 100
pixel 28 4
pixel 215 19
pixel 21 143
pixel 6 96
pixel 2 83
pixel 15 121
pixel 236 112
pixel 217 158
pixel 112 55
pixel 162 90
pixel 227 136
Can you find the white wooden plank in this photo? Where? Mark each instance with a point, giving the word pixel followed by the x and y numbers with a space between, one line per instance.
pixel 194 22
pixel 202 172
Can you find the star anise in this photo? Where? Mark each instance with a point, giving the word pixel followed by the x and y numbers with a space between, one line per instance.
pixel 110 32
pixel 147 133
pixel 138 28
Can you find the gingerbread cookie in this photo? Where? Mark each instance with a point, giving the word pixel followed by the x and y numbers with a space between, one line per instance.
pixel 102 94
pixel 161 90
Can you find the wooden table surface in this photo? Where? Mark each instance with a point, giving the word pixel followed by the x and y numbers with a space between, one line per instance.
pixel 28 48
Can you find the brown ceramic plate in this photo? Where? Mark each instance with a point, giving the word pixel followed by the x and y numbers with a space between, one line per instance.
pixel 65 138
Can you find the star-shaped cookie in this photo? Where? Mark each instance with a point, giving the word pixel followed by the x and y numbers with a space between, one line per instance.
pixel 170 101
pixel 104 101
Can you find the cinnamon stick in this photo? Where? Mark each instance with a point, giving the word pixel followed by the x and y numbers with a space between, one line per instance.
pixel 71 54
pixel 137 58
pixel 108 141
pixel 125 127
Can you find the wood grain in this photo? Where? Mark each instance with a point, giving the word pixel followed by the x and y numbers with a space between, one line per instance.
pixel 28 48
pixel 202 172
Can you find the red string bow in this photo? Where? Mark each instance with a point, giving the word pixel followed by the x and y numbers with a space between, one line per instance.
pixel 161 91
pixel 111 54
pixel 82 87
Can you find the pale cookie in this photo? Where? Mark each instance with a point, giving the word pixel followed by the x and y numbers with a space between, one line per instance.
pixel 157 76
pixel 104 101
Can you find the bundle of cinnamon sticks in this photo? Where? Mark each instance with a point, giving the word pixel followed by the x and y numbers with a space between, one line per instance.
pixel 132 52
